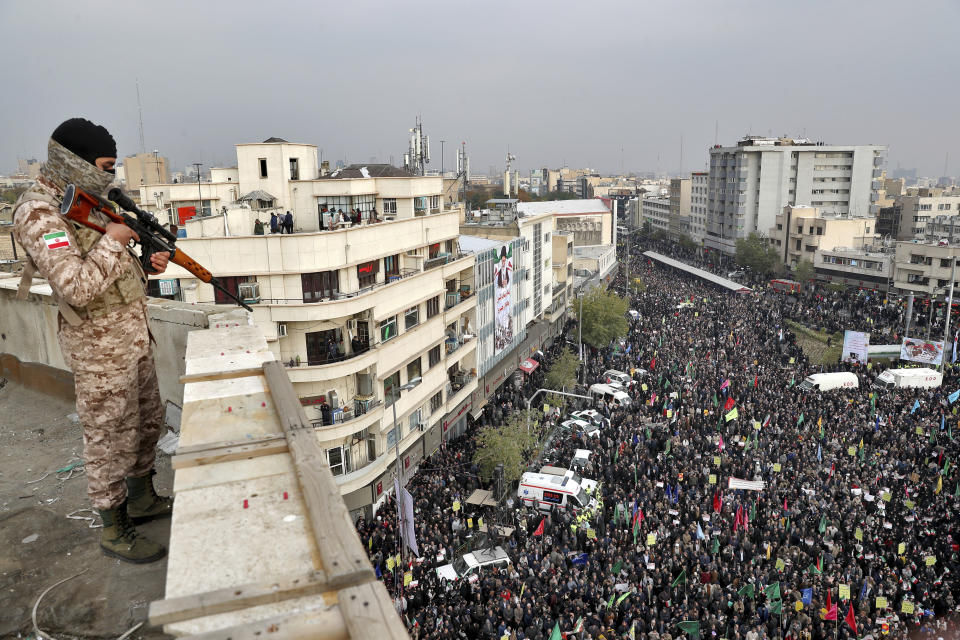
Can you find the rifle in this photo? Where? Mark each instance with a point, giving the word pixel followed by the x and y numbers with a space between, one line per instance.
pixel 78 204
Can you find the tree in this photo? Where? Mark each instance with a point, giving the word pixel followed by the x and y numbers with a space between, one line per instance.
pixel 10 195
pixel 756 253
pixel 562 373
pixel 507 444
pixel 804 271
pixel 603 316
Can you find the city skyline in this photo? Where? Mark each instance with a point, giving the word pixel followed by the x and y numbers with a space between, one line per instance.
pixel 352 80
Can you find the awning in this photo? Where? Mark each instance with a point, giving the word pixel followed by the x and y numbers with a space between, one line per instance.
pixel 257 194
pixel 529 365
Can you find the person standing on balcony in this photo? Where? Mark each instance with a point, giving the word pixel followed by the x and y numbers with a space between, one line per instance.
pixel 103 334
pixel 288 222
pixel 274 222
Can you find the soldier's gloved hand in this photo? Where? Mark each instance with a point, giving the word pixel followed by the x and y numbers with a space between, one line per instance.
pixel 121 233
pixel 159 261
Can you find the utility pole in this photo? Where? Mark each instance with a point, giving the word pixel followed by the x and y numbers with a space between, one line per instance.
pixel 199 193
pixel 441 157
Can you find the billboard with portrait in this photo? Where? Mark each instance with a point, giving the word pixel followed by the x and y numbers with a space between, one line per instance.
pixel 856 346
pixel 502 282
pixel 921 351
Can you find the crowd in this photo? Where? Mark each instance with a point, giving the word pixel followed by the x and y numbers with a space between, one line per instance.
pixel 854 524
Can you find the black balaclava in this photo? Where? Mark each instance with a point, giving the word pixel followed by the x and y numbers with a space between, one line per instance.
pixel 87 140
pixel 71 152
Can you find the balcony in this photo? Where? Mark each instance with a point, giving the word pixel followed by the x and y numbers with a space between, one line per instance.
pixel 332 367
pixel 346 424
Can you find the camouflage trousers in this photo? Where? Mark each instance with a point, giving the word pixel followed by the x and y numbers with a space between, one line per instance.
pixel 122 418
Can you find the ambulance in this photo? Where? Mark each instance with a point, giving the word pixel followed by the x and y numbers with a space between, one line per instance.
pixel 547 492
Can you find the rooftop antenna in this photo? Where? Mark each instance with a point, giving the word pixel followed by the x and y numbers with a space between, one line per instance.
pixel 418 154
pixel 143 146
pixel 716 132
pixel 681 154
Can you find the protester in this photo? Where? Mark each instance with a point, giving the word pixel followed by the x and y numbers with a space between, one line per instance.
pixel 859 499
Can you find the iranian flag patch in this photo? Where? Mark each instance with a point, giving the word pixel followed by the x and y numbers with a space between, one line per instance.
pixel 56 239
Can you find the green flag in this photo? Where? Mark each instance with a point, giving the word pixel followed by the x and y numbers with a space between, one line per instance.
pixel 715 401
pixel 946 467
pixel 800 420
pixel 746 590
pixel 956 493
pixel 813 568
pixel 715 548
pixel 555 635
pixel 623 597
pixel 772 591
pixel 823 524
pixel 776 607
pixel 616 567
pixel 681 579
pixel 753 512
pixel 610 601
pixel 690 627
pixel 668 447
pixel 636 529
pixel 792 381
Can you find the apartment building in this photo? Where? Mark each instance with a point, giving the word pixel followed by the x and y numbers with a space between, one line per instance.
pixel 589 220
pixel 145 168
pixel 699 185
pixel 679 195
pixel 373 321
pixel 656 211
pixel 925 267
pixel 799 232
pixel 750 183
pixel 870 267
pixel 913 210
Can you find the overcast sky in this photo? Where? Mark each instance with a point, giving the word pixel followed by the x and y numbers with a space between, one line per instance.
pixel 556 81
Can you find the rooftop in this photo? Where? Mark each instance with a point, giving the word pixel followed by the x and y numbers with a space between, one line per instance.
pixel 561 207
pixel 369 171
pixel 476 244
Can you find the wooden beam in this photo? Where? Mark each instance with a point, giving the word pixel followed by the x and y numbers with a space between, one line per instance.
pixel 369 613
pixel 227 454
pixel 326 623
pixel 221 375
pixel 233 598
pixel 341 552
pixel 226 444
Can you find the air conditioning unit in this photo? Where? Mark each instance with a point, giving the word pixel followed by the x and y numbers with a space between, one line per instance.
pixel 281 329
pixel 422 426
pixel 333 399
pixel 249 292
pixel 364 384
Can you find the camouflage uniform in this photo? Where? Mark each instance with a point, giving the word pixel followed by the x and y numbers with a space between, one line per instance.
pixel 118 398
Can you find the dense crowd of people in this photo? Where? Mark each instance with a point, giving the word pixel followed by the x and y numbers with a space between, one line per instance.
pixel 847 517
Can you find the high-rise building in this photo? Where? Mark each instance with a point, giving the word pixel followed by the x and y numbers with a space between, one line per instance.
pixel 145 168
pixel 699 184
pixel 751 182
pixel 679 208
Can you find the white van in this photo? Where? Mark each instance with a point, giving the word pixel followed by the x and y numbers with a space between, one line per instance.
pixel 581 458
pixel 586 483
pixel 592 416
pixel 469 564
pixel 612 375
pixel 918 378
pixel 830 381
pixel 606 393
pixel 546 492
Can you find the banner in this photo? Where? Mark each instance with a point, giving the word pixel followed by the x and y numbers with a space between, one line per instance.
pixel 502 281
pixel 921 351
pixel 749 485
pixel 856 346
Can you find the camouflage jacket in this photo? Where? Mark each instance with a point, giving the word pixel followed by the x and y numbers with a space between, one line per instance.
pixel 117 332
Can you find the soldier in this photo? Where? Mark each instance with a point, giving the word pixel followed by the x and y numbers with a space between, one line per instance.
pixel 103 334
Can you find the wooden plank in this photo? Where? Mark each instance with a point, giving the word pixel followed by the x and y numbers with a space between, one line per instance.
pixel 227 443
pixel 234 598
pixel 209 475
pixel 341 552
pixel 221 375
pixel 240 452
pixel 369 613
pixel 323 624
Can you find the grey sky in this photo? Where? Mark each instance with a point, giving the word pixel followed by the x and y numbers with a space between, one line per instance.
pixel 555 81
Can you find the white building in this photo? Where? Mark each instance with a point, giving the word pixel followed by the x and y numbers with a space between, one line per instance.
pixel 918 207
pixel 656 211
pixel 699 186
pixel 750 183
pixel 356 312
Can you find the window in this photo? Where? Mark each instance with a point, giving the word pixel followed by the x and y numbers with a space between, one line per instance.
pixel 413 370
pixel 415 419
pixel 367 273
pixel 230 283
pixel 390 205
pixel 433 306
pixel 263 167
pixel 434 202
pixel 434 355
pixel 411 318
pixel 294 168
pixel 323 347
pixel 436 402
pixel 388 329
pixel 320 286
pixel 391 266
pixel 434 250
pixel 391 386
pixel 339 460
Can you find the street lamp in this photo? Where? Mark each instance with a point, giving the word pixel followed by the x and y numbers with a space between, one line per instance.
pixel 395 394
pixel 559 393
